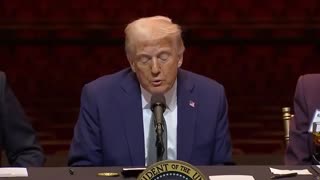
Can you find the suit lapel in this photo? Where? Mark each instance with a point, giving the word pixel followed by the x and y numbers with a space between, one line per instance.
pixel 132 118
pixel 187 106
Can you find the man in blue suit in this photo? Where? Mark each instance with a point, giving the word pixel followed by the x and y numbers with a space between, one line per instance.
pixel 115 115
pixel 17 137
pixel 306 104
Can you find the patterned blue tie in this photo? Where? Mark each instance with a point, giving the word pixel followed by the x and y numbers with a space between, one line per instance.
pixel 152 147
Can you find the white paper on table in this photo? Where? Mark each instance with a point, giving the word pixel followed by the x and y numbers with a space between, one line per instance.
pixel 231 177
pixel 300 172
pixel 13 172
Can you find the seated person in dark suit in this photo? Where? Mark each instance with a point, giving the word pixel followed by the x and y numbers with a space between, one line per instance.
pixel 306 102
pixel 115 115
pixel 17 137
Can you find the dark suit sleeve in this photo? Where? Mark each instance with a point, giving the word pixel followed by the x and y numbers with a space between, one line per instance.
pixel 18 137
pixel 298 151
pixel 85 148
pixel 222 152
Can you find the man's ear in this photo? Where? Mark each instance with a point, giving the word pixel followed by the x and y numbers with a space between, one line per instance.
pixel 180 59
pixel 132 64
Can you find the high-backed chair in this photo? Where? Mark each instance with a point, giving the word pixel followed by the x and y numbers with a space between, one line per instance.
pixel 286 117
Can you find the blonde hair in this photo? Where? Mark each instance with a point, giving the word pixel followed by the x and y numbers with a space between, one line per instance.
pixel 152 28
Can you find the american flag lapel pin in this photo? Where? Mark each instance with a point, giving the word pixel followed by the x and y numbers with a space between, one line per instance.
pixel 192 103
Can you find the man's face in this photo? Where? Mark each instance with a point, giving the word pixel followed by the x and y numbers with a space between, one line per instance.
pixel 156 65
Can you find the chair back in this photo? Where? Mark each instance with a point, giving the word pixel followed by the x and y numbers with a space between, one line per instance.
pixel 286 117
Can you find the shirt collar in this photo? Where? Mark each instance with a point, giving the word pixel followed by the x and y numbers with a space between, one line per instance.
pixel 171 97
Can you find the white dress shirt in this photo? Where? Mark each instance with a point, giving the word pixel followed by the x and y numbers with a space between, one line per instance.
pixel 170 116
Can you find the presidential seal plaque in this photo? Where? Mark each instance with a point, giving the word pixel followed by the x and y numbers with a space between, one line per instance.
pixel 171 170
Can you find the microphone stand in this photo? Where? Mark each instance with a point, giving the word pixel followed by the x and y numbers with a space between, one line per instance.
pixel 159 140
pixel 158 107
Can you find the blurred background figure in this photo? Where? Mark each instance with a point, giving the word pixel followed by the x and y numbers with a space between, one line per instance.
pixel 306 109
pixel 17 138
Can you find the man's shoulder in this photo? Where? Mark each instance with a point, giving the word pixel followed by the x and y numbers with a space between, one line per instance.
pixel 310 78
pixel 110 79
pixel 3 79
pixel 309 81
pixel 201 80
pixel 309 84
pixel 2 76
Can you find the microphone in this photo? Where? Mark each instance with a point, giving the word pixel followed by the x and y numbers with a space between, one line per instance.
pixel 158 106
